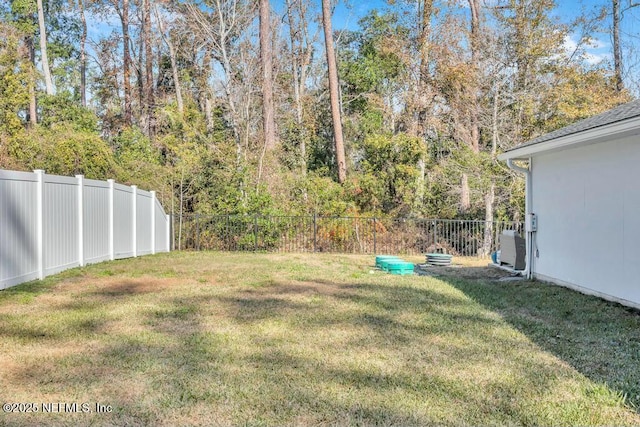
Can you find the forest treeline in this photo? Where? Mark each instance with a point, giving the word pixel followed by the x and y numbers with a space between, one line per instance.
pixel 238 106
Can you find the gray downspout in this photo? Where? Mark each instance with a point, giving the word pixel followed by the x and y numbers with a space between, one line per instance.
pixel 528 271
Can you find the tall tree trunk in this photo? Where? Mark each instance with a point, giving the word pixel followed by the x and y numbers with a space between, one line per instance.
pixel 149 83
pixel 33 104
pixel 474 83
pixel 83 55
pixel 174 65
pixel 489 200
pixel 421 94
pixel 494 120
pixel 473 103
pixel 617 48
pixel 465 194
pixel 333 91
pixel 140 83
pixel 266 60
pixel 208 113
pixel 126 61
pixel 420 182
pixel 43 49
pixel 301 58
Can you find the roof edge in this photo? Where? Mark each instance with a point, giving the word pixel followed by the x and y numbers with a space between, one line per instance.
pixel 630 126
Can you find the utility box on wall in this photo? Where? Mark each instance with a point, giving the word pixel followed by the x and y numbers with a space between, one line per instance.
pixel 512 249
pixel 531 223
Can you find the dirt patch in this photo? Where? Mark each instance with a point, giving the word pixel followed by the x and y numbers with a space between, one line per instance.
pixel 464 272
pixel 133 286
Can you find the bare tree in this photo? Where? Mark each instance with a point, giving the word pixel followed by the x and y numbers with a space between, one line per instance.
pixel 220 30
pixel 424 73
pixel 83 55
pixel 266 62
pixel 122 9
pixel 333 91
pixel 617 49
pixel 33 104
pixel 174 64
pixel 43 49
pixel 473 100
pixel 474 87
pixel 300 43
pixel 149 96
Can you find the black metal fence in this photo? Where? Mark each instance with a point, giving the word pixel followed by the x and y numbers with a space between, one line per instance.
pixel 339 234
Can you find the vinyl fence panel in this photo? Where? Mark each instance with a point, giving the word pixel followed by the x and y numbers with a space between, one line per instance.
pixel 51 223
pixel 123 223
pixel 144 216
pixel 60 223
pixel 18 228
pixel 162 228
pixel 96 221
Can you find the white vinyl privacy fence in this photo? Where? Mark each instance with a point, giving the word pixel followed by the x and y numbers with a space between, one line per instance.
pixel 50 223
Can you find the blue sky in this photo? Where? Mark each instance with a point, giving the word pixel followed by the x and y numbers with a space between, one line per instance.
pixel 348 12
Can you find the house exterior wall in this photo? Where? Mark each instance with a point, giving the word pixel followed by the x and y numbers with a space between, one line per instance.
pixel 588 204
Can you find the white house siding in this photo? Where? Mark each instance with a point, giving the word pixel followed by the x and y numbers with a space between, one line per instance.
pixel 588 204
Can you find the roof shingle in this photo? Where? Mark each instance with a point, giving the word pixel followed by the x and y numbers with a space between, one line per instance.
pixel 620 113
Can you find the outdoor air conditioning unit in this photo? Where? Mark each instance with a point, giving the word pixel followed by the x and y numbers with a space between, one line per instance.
pixel 512 249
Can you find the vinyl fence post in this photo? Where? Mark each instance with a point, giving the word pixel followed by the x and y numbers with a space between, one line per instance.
pixel 169 231
pixel 134 214
pixel 112 250
pixel 315 231
pixel 153 222
pixel 80 179
pixel 39 221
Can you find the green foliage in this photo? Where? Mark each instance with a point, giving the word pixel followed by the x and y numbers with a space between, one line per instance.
pixel 326 197
pixel 578 94
pixel 14 73
pixel 63 110
pixel 407 148
pixel 390 173
pixel 138 161
pixel 22 14
pixel 371 65
pixel 63 151
pixel 371 60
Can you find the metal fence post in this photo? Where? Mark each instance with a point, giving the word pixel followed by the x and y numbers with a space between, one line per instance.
pixel 315 231
pixel 435 236
pixel 255 232
pixel 228 239
pixel 375 249
pixel 197 232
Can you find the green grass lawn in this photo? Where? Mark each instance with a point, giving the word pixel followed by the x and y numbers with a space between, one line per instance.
pixel 270 339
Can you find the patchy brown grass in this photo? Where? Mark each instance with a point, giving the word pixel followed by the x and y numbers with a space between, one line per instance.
pixel 275 339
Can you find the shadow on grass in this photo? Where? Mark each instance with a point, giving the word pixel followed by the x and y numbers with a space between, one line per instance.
pixel 598 338
pixel 215 350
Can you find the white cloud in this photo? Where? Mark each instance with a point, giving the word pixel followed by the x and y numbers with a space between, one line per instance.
pixel 592 53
